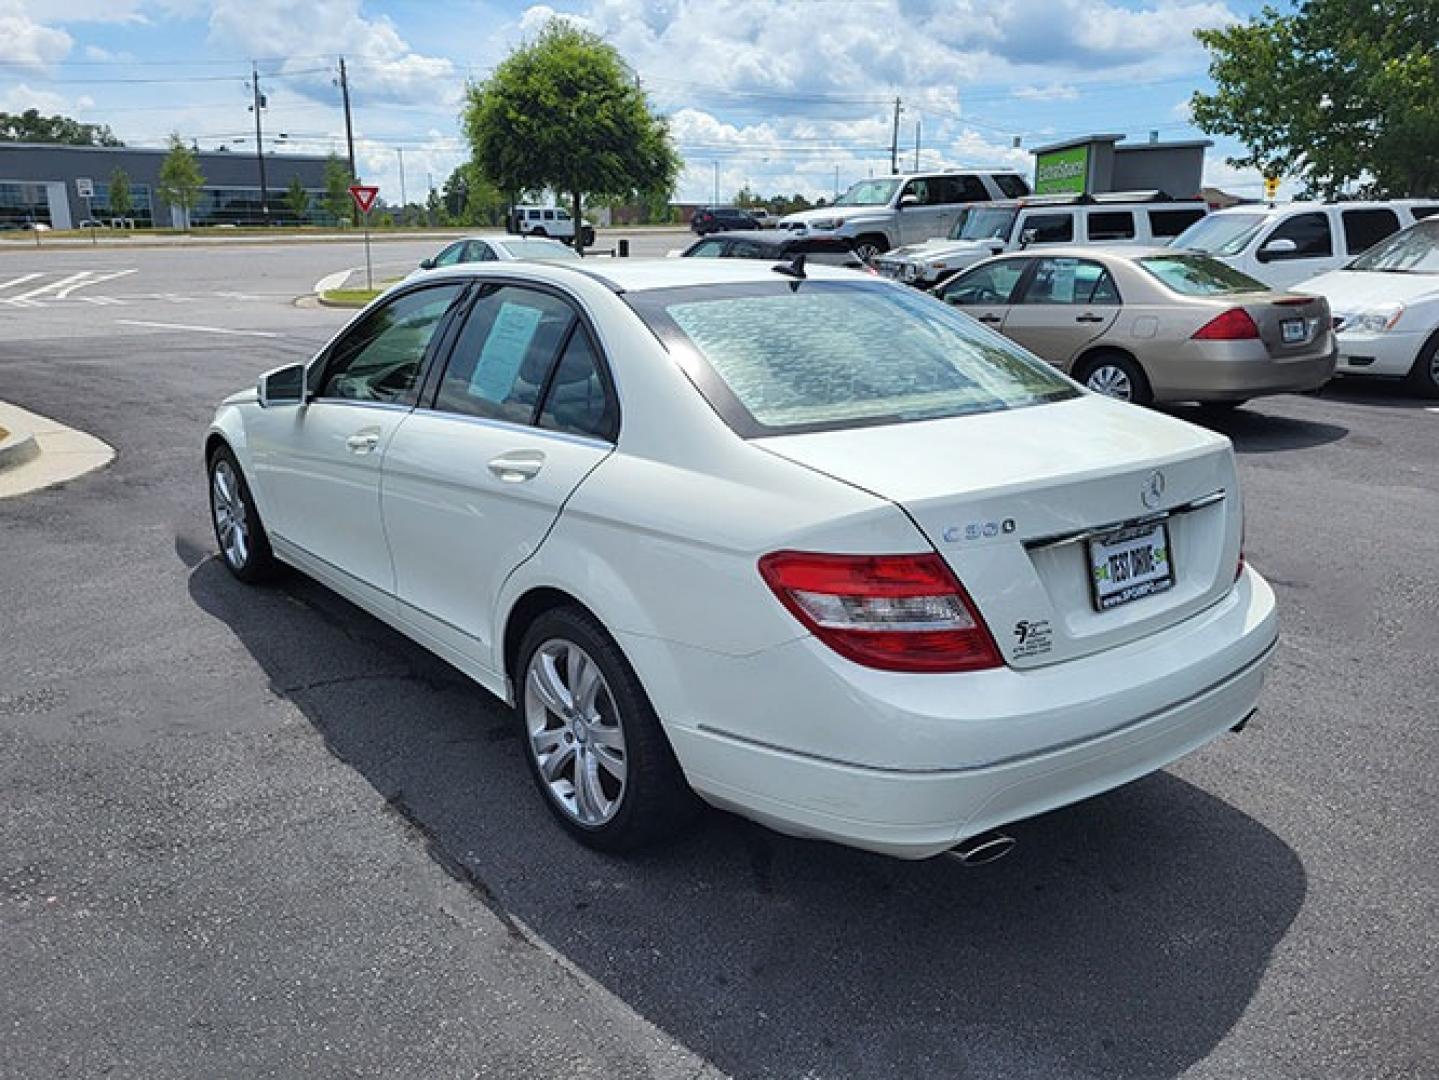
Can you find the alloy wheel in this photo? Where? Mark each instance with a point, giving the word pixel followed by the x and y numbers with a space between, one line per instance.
pixel 231 518
pixel 575 732
pixel 867 251
pixel 1111 381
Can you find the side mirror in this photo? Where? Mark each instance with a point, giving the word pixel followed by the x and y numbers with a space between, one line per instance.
pixel 283 386
pixel 1028 237
pixel 1278 249
pixel 998 249
pixel 427 264
pixel 908 200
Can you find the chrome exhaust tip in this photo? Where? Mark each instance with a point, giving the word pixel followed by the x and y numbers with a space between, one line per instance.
pixel 985 848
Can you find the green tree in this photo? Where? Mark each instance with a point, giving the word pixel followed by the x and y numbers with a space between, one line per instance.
pixel 120 203
pixel 1333 92
pixel 30 126
pixel 338 203
pixel 297 199
pixel 566 113
pixel 180 178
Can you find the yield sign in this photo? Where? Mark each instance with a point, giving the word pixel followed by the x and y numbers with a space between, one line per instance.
pixel 364 196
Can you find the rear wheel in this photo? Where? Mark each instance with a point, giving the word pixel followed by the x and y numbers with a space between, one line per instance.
pixel 539 232
pixel 238 529
pixel 1118 376
pixel 592 739
pixel 1424 375
pixel 869 248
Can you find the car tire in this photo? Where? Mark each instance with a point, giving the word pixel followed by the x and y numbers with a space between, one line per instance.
pixel 604 766
pixel 239 532
pixel 1116 375
pixel 1423 377
pixel 539 232
pixel 869 246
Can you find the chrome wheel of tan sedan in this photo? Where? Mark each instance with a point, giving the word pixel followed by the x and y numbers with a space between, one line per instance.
pixel 1111 380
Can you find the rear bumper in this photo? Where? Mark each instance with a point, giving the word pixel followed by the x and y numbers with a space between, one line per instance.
pixel 1388 354
pixel 910 765
pixel 1223 379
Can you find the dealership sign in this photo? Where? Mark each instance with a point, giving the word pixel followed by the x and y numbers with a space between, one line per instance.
pixel 1062 172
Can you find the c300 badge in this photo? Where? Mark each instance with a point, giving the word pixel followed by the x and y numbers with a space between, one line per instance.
pixel 978 530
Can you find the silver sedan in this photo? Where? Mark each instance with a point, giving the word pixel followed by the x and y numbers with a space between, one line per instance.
pixel 500 249
pixel 1152 324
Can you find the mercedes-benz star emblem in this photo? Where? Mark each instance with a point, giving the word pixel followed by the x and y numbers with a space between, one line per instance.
pixel 1152 493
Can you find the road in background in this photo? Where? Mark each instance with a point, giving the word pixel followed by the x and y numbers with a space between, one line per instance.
pixel 256 832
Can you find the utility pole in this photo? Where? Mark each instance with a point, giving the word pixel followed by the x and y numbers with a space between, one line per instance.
pixel 400 152
pixel 894 142
pixel 349 129
pixel 916 146
pixel 260 142
pixel 716 165
pixel 836 181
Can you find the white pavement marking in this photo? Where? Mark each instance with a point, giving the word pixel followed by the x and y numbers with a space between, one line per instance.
pixel 74 280
pixel 20 280
pixel 196 329
pixel 333 281
pixel 1431 408
pixel 95 279
pixel 101 300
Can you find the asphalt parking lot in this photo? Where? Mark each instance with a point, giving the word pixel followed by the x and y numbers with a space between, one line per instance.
pixel 257 833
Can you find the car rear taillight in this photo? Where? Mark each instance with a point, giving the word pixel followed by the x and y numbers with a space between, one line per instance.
pixel 892 612
pixel 1234 325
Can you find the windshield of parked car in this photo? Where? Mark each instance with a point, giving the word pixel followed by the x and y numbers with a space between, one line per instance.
pixel 1199 275
pixel 787 356
pixel 868 193
pixel 539 249
pixel 1415 250
pixel 984 223
pixel 1220 234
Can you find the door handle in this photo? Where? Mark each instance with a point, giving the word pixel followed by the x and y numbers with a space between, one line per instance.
pixel 990 319
pixel 362 442
pixel 518 467
pixel 1089 318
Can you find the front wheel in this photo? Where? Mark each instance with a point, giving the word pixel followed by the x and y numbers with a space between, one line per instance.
pixel 592 739
pixel 1117 376
pixel 244 545
pixel 870 248
pixel 1424 375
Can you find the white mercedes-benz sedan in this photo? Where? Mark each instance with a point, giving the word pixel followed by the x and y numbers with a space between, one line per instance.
pixel 802 543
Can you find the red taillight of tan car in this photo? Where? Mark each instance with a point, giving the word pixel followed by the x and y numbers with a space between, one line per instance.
pixel 1233 325
pixel 892 612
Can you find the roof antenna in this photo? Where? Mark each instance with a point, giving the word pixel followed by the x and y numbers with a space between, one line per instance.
pixel 794 268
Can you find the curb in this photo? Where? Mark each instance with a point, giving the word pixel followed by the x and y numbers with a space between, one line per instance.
pixel 16 448
pixel 353 305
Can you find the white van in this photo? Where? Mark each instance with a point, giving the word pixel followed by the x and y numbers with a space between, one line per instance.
pixel 1146 218
pixel 547 221
pixel 1287 243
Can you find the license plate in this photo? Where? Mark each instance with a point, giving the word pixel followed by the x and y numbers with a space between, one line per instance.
pixel 1292 331
pixel 1129 564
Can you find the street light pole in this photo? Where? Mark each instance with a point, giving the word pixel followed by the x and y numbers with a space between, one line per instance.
pixel 400 153
pixel 716 166
pixel 260 142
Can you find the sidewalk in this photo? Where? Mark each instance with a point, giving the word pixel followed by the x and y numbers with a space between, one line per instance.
pixel 57 453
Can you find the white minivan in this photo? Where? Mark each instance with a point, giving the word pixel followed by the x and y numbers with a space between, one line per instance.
pixel 1287 243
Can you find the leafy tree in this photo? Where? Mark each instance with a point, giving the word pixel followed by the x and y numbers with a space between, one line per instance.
pixel 1333 92
pixel 297 199
pixel 338 203
pixel 120 203
pixel 566 113
pixel 180 178
pixel 30 126
pixel 470 198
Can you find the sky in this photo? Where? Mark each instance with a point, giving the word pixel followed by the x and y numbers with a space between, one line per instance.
pixel 781 95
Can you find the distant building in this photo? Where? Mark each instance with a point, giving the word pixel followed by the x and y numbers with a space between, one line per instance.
pixel 1096 164
pixel 40 183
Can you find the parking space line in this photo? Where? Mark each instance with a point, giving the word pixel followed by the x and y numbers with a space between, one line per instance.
pixel 196 329
pixel 94 280
pixel 20 280
pixel 74 280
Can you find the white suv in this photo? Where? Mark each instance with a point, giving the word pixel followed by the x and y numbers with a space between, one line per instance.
pixel 889 211
pixel 1284 244
pixel 1041 221
pixel 547 221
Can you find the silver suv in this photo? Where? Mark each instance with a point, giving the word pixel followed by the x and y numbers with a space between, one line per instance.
pixel 890 211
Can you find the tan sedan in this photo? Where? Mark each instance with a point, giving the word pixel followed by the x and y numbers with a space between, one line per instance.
pixel 1152 324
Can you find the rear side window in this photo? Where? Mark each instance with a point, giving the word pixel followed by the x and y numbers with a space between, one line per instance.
pixel 776 357
pixel 1111 225
pixel 1365 228
pixel 960 189
pixel 499 364
pixel 1011 186
pixel 577 400
pixel 1165 223
pixel 1048 228
pixel 1311 236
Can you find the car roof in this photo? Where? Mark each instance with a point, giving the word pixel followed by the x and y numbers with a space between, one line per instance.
pixel 1091 251
pixel 1276 209
pixel 639 275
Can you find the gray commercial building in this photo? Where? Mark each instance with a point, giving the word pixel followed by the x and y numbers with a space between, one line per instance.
pixel 1096 164
pixel 44 183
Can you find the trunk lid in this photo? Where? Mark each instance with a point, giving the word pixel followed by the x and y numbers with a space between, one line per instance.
pixel 1281 316
pixel 1009 500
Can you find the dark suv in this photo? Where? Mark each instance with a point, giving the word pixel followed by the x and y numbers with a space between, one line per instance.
pixel 712 219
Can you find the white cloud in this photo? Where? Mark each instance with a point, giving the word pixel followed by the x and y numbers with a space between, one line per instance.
pixel 26 42
pixel 22 97
pixel 106 56
pixel 87 11
pixel 1048 92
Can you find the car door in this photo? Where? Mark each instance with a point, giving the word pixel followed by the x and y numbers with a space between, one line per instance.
pixel 1063 305
pixel 318 464
pixel 523 411
pixel 920 220
pixel 1312 252
pixel 983 292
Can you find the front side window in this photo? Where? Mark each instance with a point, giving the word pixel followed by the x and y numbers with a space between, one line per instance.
pixel 1011 186
pixel 498 367
pixel 451 255
pixel 1365 228
pixel 1111 225
pixel 1048 228
pixel 985 223
pixel 707 249
pixel 773 358
pixel 1198 275
pixel 988 285
pixel 1069 281
pixel 868 193
pixel 1311 236
pixel 379 359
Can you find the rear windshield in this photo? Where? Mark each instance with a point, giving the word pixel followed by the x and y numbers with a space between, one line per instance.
pixel 1199 275
pixel 784 356
pixel 1220 234
pixel 539 249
